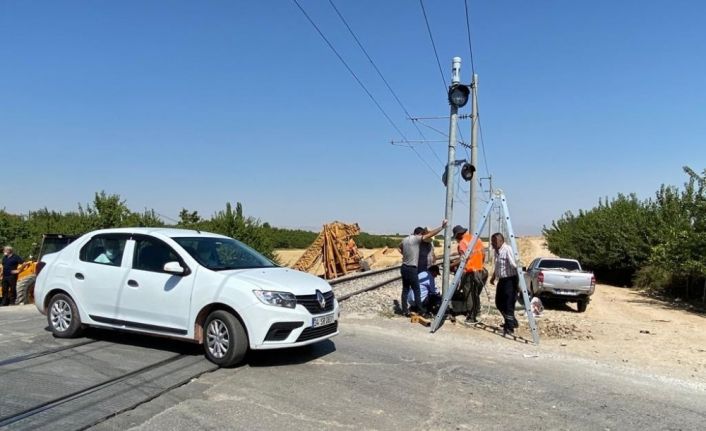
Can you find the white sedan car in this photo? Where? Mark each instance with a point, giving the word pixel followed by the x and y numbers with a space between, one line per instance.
pixel 184 284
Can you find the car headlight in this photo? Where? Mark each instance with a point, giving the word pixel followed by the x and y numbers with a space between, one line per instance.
pixel 278 299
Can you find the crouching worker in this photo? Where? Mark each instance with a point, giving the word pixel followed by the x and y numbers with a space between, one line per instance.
pixel 429 296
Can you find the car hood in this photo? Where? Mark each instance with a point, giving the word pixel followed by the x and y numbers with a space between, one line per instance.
pixel 279 279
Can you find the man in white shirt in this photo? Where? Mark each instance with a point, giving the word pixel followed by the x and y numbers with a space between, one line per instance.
pixel 508 282
pixel 409 247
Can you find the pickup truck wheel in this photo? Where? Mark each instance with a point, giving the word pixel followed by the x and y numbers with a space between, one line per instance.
pixel 225 340
pixel 581 305
pixel 63 318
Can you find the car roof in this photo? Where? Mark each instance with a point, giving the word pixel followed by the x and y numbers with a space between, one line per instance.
pixel 169 232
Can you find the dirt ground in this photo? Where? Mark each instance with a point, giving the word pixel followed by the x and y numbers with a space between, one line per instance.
pixel 621 325
pixel 624 325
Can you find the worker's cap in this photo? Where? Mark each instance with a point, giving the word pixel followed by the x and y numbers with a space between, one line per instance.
pixel 458 229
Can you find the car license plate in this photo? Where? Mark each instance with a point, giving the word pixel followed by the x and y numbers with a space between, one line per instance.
pixel 566 292
pixel 323 320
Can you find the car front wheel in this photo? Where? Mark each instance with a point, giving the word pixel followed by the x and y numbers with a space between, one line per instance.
pixel 225 340
pixel 63 318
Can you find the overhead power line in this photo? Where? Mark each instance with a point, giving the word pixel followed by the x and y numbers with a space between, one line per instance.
pixel 387 84
pixel 468 31
pixel 441 132
pixel 436 55
pixel 482 146
pixel 433 45
pixel 473 68
pixel 370 95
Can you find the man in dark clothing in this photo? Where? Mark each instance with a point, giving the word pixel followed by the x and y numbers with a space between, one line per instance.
pixel 10 264
pixel 508 281
pixel 426 254
pixel 410 259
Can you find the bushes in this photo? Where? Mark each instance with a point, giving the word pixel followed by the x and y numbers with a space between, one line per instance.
pixel 659 243
pixel 366 240
pixel 107 211
pixel 613 239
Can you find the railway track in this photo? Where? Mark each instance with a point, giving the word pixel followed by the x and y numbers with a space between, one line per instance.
pixel 28 356
pixel 82 385
pixel 355 284
pixel 351 285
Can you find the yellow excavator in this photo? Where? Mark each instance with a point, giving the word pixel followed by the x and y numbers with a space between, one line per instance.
pixel 50 243
pixel 337 250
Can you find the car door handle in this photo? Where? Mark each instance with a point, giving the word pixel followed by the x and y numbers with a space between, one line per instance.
pixel 79 276
pixel 132 283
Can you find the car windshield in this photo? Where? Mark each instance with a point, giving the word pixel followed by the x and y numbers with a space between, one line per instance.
pixel 219 254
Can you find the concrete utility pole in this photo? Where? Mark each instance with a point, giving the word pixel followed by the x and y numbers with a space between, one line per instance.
pixel 473 194
pixel 490 219
pixel 455 79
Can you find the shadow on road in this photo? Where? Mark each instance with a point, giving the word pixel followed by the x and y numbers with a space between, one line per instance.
pixel 499 332
pixel 139 340
pixel 293 356
pixel 553 304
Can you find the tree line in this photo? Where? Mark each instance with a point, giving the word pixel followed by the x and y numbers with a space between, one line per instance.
pixel 657 243
pixel 24 232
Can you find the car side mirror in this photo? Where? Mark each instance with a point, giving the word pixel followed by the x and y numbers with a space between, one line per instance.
pixel 174 268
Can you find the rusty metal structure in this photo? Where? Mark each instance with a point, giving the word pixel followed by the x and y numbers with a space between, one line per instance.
pixel 336 249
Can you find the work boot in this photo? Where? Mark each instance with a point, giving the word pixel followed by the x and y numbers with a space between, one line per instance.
pixel 471 319
pixel 508 329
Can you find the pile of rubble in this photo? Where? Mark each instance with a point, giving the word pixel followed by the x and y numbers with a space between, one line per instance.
pixel 555 324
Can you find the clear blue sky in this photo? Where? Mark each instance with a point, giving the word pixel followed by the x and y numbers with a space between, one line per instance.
pixel 191 104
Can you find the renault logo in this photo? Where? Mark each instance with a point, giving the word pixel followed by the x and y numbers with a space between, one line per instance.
pixel 320 298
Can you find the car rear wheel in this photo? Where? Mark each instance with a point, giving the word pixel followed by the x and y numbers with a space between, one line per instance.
pixel 582 305
pixel 225 340
pixel 63 318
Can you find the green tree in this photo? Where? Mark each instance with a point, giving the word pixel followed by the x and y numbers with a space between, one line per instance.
pixel 189 218
pixel 246 229
pixel 107 211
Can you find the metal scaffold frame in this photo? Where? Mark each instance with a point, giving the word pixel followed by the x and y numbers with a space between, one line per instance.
pixel 497 200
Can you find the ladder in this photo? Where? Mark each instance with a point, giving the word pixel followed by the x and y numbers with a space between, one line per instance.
pixel 498 199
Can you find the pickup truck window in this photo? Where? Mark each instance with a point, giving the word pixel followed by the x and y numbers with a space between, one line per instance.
pixel 561 265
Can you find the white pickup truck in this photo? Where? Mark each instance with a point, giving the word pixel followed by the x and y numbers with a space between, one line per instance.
pixel 561 279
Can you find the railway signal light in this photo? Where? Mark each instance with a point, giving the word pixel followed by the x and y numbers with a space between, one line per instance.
pixel 467 171
pixel 458 95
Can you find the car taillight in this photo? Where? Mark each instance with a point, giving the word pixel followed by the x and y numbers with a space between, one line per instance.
pixel 40 266
pixel 540 278
pixel 593 281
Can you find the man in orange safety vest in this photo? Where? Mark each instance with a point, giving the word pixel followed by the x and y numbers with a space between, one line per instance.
pixel 474 273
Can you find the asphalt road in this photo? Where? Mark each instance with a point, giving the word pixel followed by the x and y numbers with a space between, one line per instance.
pixel 391 375
pixel 378 374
